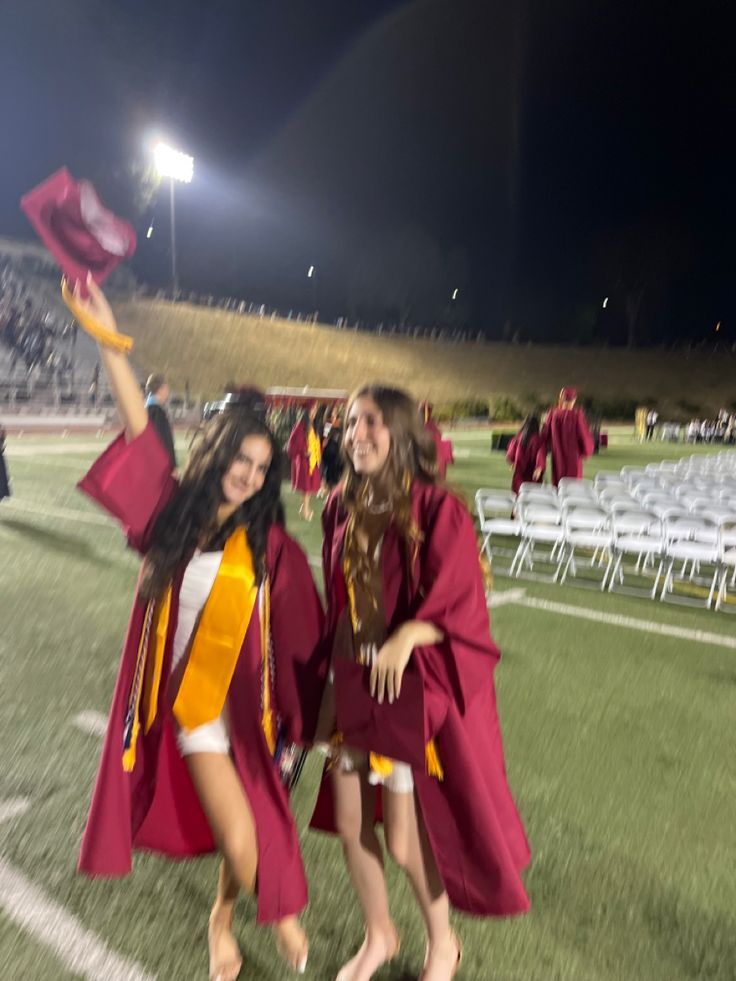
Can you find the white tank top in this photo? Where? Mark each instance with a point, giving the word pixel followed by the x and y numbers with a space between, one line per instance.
pixel 196 586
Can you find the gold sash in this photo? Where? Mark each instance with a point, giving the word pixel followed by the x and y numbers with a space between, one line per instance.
pixel 214 654
pixel 314 449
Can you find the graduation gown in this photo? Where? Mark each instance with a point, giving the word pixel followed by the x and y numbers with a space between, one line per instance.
pixel 524 459
pixel 297 449
pixel 155 807
pixel 476 833
pixel 444 448
pixel 567 437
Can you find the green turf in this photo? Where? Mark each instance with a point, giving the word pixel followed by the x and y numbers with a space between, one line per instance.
pixel 619 748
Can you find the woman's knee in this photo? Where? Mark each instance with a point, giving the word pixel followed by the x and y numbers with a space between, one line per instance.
pixel 398 844
pixel 240 851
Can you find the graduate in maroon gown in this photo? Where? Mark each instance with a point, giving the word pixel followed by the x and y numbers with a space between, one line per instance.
pixel 411 718
pixel 304 449
pixel 566 437
pixel 523 454
pixel 443 446
pixel 217 676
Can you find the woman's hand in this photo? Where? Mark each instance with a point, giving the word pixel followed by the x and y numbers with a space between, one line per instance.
pixel 95 304
pixel 393 657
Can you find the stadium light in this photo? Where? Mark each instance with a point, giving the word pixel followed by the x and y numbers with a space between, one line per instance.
pixel 176 166
pixel 454 293
pixel 149 233
pixel 605 302
pixel 311 272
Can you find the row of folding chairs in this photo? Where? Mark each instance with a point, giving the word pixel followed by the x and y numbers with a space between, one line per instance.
pixel 611 529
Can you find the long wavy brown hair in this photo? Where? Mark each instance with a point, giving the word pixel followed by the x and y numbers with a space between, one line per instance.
pixel 189 520
pixel 412 456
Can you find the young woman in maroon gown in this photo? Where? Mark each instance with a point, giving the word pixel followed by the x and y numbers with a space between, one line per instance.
pixel 567 437
pixel 523 454
pixel 304 449
pixel 406 609
pixel 217 671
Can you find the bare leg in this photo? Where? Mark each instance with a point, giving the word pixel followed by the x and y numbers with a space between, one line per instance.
pixel 230 817
pixel 408 844
pixel 354 810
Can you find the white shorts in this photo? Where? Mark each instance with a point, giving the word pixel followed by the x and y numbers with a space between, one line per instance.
pixel 212 737
pixel 399 781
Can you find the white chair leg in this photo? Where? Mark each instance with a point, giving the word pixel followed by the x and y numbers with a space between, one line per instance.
pixel 656 580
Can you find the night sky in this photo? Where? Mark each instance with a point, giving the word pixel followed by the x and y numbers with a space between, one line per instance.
pixel 538 156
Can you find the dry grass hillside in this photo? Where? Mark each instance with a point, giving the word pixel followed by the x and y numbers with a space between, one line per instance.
pixel 210 347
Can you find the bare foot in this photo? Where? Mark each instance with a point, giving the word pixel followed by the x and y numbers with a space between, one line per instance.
pixel 225 957
pixel 443 959
pixel 378 949
pixel 292 943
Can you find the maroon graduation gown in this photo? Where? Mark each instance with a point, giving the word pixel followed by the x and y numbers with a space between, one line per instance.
pixel 444 448
pixel 524 459
pixel 297 449
pixel 475 830
pixel 155 807
pixel 567 436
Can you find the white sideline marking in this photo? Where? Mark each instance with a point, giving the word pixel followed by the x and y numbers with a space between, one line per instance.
pixel 91 722
pixel 13 504
pixel 80 950
pixel 504 597
pixel 617 620
pixel 13 808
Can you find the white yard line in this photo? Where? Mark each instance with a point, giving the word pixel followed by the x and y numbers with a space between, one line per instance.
pixel 28 906
pixel 79 950
pixel 613 619
pixel 91 722
pixel 13 808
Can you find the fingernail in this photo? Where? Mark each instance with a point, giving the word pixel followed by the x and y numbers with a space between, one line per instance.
pixel 302 966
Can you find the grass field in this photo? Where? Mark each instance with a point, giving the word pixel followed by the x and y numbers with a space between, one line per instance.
pixel 619 747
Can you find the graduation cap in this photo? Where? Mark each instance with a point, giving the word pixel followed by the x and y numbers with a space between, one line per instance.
pixel 79 231
pixel 389 729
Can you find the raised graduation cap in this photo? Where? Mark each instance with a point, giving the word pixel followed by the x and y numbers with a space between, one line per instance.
pixel 393 729
pixel 79 231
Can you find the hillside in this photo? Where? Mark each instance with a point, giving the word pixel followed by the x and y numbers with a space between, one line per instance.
pixel 211 347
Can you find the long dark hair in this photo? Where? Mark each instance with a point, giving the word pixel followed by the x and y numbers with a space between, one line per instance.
pixel 529 428
pixel 189 520
pixel 412 456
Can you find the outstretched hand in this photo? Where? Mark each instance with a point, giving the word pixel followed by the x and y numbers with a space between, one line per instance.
pixel 389 666
pixel 95 304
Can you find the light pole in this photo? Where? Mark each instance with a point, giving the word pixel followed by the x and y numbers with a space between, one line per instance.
pixel 177 167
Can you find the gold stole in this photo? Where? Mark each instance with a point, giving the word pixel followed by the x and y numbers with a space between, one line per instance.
pixel 383 765
pixel 214 654
pixel 314 450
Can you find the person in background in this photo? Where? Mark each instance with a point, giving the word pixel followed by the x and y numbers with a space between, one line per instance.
pixel 304 449
pixel 652 418
pixel 4 479
pixel 523 453
pixel 157 392
pixel 444 446
pixel 332 462
pixel 566 436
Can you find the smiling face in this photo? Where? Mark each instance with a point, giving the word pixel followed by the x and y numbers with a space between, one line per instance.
pixel 367 437
pixel 247 472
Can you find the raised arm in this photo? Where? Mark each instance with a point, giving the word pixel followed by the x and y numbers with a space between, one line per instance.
pixel 125 388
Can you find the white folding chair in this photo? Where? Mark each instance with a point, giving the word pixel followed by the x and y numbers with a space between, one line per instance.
pixel 701 546
pixel 495 509
pixel 727 561
pixel 639 533
pixel 541 524
pixel 585 527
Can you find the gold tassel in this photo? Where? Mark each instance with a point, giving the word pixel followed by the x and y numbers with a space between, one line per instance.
pixel 434 766
pixel 381 765
pixel 267 720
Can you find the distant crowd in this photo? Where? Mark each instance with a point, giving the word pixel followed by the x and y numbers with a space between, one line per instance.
pixel 30 331
pixel 719 430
